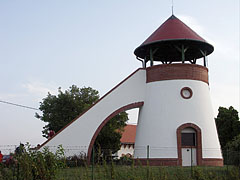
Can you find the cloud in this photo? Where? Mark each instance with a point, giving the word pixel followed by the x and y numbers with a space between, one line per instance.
pixel 192 23
pixel 197 27
pixel 222 45
pixel 40 89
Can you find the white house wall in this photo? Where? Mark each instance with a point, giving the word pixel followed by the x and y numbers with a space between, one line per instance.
pixel 125 149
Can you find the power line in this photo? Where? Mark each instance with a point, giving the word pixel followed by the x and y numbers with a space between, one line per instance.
pixel 19 105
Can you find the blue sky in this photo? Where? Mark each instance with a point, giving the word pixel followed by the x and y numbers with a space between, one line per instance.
pixel 54 43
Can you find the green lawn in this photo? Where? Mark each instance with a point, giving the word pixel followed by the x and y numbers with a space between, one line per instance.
pixel 117 172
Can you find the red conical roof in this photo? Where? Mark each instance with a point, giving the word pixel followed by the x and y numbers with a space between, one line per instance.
pixel 171 36
pixel 173 28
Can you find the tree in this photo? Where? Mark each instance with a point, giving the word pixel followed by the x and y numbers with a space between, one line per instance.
pixel 109 137
pixel 228 125
pixel 60 110
pixel 232 152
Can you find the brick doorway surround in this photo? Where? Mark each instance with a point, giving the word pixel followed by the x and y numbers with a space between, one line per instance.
pixel 200 160
pixel 178 161
pixel 198 142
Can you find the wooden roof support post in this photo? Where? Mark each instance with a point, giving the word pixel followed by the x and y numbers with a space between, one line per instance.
pixel 183 54
pixel 151 57
pixel 145 62
pixel 183 50
pixel 204 58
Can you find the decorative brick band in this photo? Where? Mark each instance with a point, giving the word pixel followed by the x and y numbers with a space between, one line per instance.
pixel 212 162
pixel 175 162
pixel 178 161
pixel 177 71
pixel 157 161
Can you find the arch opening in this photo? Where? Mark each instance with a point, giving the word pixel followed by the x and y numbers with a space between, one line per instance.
pixel 104 122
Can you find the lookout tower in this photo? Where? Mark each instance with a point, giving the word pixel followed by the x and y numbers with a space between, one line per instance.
pixel 176 122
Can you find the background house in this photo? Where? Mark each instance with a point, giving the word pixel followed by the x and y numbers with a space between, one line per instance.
pixel 127 141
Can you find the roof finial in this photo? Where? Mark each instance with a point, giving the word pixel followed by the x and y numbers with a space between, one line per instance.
pixel 172 7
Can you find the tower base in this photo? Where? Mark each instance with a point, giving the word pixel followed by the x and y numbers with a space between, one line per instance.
pixel 176 162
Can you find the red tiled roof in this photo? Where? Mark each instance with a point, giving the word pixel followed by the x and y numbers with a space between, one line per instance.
pixel 129 133
pixel 171 34
pixel 173 28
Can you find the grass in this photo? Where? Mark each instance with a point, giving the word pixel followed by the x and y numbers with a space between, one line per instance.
pixel 122 172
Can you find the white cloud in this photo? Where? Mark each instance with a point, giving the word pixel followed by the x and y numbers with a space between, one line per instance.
pixel 40 89
pixel 224 47
pixel 197 27
pixel 192 23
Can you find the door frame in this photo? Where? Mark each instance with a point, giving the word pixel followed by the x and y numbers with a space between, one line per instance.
pixel 198 142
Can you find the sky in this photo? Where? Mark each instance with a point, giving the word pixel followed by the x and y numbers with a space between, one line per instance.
pixel 49 44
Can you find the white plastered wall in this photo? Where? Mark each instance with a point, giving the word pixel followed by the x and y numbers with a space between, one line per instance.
pixel 165 110
pixel 77 136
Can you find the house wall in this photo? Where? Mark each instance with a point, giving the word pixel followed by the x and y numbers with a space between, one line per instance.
pixel 125 149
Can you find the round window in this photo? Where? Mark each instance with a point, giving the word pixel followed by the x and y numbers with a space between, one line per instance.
pixel 186 93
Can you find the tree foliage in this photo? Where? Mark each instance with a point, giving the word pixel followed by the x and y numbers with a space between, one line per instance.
pixel 58 111
pixel 234 145
pixel 228 124
pixel 110 135
pixel 232 151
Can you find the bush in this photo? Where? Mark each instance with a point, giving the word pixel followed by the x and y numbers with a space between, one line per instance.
pixel 124 160
pixel 233 174
pixel 198 174
pixel 33 164
pixel 232 152
pixel 76 160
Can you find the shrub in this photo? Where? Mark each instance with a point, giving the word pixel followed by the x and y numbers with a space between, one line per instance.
pixel 125 160
pixel 76 160
pixel 33 164
pixel 233 174
pixel 198 174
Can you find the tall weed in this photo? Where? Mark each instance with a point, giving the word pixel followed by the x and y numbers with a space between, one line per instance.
pixel 32 164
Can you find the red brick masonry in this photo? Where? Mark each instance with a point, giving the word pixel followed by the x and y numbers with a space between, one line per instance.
pixel 198 138
pixel 177 71
pixel 157 161
pixel 178 161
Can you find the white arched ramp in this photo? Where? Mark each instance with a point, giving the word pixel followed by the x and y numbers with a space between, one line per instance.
pixel 83 130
